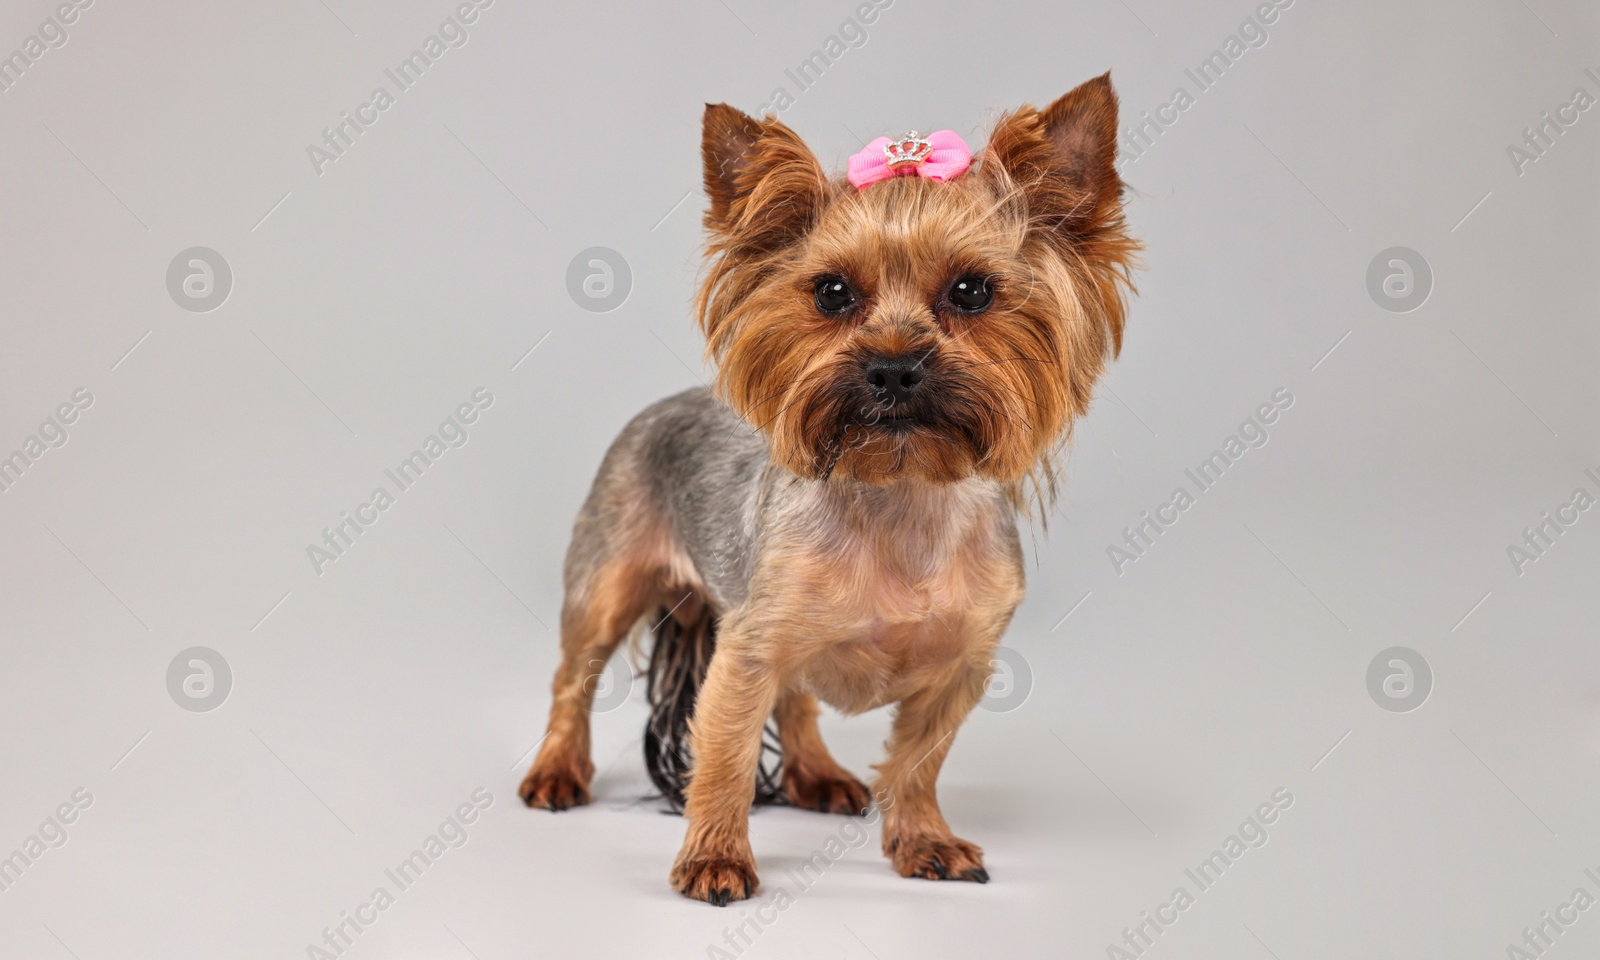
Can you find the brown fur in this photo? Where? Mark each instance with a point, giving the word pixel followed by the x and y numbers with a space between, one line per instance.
pixel 887 562
pixel 1040 211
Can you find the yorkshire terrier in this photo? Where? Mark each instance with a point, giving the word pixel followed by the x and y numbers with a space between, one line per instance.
pixel 901 353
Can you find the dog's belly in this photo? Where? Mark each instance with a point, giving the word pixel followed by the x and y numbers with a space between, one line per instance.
pixel 887 663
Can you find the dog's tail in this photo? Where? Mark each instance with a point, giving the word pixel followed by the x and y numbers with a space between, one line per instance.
pixel 684 640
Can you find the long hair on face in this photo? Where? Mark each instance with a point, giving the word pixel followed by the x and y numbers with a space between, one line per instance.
pixel 1053 178
pixel 1044 195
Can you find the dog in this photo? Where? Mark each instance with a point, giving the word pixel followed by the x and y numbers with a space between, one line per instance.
pixel 900 356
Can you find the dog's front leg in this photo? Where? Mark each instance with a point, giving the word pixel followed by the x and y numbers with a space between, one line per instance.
pixel 741 687
pixel 915 836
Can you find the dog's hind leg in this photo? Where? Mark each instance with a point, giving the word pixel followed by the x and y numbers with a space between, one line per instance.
pixel 811 777
pixel 596 616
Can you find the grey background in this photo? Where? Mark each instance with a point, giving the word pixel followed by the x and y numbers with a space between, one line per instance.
pixel 370 301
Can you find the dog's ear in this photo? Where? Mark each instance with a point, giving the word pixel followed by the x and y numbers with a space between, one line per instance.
pixel 765 186
pixel 1064 157
pixel 1060 165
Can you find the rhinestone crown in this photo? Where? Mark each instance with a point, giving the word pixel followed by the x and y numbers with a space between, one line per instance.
pixel 909 150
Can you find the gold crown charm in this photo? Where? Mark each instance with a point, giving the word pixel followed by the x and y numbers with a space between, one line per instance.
pixel 909 150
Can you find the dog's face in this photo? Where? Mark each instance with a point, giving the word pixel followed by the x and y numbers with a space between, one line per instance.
pixel 917 329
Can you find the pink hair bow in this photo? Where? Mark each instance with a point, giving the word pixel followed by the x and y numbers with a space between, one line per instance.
pixel 940 156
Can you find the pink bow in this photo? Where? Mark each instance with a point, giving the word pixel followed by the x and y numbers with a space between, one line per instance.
pixel 940 156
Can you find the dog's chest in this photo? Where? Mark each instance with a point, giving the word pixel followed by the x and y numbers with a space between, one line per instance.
pixel 904 600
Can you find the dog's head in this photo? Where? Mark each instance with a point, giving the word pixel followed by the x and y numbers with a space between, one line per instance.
pixel 914 328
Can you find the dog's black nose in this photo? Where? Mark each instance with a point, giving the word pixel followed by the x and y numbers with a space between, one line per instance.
pixel 894 379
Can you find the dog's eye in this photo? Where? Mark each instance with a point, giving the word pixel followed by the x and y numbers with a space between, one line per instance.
pixel 971 294
pixel 833 295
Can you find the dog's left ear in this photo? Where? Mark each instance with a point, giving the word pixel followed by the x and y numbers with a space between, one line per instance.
pixel 1064 158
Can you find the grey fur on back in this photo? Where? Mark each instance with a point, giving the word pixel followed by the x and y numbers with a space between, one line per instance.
pixel 706 466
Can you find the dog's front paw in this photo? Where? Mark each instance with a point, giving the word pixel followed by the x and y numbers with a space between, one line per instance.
pixel 833 792
pixel 716 880
pixel 553 789
pixel 937 858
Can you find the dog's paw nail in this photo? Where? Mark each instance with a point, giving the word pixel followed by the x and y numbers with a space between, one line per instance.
pixel 716 880
pixel 937 858
pixel 832 792
pixel 554 790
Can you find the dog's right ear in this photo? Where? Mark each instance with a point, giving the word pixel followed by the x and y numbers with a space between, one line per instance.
pixel 765 186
